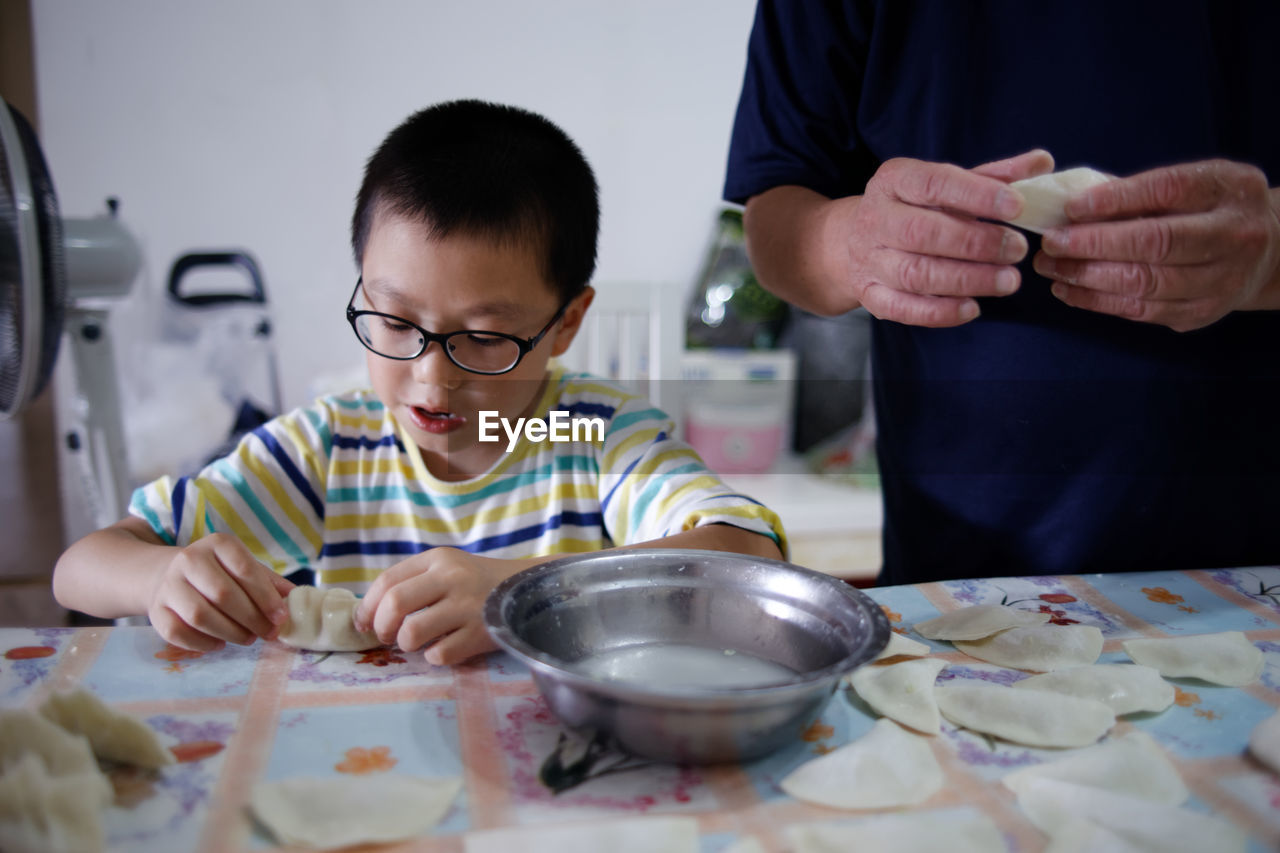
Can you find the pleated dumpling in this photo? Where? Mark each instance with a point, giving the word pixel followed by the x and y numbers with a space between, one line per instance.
pixel 977 621
pixel 1227 658
pixel 321 621
pixel 1028 717
pixel 885 768
pixel 1124 688
pixel 40 811
pixel 1038 648
pixel 113 735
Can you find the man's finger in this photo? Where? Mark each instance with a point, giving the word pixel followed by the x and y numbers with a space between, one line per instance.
pixel 948 187
pixel 1186 188
pixel 934 232
pixel 1143 281
pixel 887 303
pixel 1029 164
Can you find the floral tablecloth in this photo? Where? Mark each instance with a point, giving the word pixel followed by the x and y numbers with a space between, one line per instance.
pixel 269 712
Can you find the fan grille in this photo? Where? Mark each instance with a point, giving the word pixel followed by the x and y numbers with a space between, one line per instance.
pixel 52 275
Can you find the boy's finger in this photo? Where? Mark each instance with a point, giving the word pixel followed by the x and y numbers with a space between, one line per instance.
pixel 367 610
pixel 194 607
pixel 176 632
pixel 259 584
pixel 224 592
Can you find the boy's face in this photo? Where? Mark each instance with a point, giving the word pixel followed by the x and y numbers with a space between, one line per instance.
pixel 447 285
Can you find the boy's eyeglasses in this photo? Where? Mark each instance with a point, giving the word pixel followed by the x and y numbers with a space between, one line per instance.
pixel 473 350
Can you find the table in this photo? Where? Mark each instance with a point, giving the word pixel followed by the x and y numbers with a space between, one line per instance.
pixel 267 712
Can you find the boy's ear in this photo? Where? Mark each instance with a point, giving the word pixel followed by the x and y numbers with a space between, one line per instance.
pixel 571 322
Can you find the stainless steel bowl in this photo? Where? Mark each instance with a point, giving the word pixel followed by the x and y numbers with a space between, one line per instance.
pixel 572 620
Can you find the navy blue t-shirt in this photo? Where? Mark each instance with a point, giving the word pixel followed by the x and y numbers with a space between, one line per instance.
pixel 1041 439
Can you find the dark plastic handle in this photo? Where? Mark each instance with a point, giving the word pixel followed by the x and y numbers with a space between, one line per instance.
pixel 188 262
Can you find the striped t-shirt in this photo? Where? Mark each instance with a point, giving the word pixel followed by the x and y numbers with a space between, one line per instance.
pixel 339 489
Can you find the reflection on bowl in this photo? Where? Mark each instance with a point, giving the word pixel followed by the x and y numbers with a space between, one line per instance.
pixel 681 655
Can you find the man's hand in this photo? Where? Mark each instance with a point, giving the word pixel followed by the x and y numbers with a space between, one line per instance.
pixel 214 591
pixel 436 597
pixel 1180 246
pixel 917 250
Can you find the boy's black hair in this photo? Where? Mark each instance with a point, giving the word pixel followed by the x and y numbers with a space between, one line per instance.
pixel 491 171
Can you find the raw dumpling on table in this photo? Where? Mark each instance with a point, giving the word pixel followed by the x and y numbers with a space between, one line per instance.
pixel 885 768
pixel 113 735
pixel 900 646
pixel 1124 688
pixel 1133 765
pixel 1038 648
pixel 41 812
pixel 1227 658
pixel 942 831
pixel 902 692
pixel 320 620
pixel 1028 717
pixel 977 621
pixel 331 812
pixel 1054 806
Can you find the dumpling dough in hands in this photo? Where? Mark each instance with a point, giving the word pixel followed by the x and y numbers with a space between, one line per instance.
pixel 1028 717
pixel 1227 658
pixel 1045 197
pixel 885 768
pixel 902 692
pixel 1039 648
pixel 321 620
pixel 1124 688
pixel 977 621
pixel 113 735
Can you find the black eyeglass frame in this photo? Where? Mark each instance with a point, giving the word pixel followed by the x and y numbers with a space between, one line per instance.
pixel 525 345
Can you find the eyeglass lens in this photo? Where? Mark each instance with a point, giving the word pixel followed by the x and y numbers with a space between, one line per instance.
pixel 473 350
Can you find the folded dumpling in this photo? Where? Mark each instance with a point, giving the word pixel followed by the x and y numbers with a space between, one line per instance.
pixel 1133 765
pixel 1038 648
pixel 886 768
pixel 113 735
pixel 42 812
pixel 902 692
pixel 1045 196
pixel 321 620
pixel 1227 658
pixel 1124 688
pixel 61 753
pixel 1029 717
pixel 977 621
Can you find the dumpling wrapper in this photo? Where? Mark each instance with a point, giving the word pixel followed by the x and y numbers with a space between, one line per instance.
pixel 1227 658
pixel 60 752
pixel 902 692
pixel 622 835
pixel 900 646
pixel 1039 648
pixel 1264 742
pixel 977 621
pixel 321 620
pixel 1045 196
pixel 113 735
pixel 746 844
pixel 1028 717
pixel 885 768
pixel 1053 805
pixel 1085 836
pixel 1133 765
pixel 1124 688
pixel 329 812
pixel 41 812
pixel 950 831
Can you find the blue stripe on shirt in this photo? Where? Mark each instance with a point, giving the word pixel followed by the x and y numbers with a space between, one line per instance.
pixel 291 471
pixel 237 481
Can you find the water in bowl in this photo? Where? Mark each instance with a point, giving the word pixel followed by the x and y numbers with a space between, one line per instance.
pixel 681 665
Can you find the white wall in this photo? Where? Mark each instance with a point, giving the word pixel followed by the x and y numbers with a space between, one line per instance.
pixel 246 123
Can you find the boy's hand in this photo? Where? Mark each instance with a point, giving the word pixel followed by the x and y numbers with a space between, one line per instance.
pixel 215 591
pixel 436 597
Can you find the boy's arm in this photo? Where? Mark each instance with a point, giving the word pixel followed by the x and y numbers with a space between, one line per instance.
pixel 197 597
pixel 718 537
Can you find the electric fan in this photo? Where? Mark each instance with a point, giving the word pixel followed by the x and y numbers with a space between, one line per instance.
pixel 60 273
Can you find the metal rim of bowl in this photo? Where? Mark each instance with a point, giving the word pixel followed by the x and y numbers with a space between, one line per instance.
pixel 551 665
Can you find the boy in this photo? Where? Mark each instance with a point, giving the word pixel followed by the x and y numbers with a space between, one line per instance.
pixel 475 234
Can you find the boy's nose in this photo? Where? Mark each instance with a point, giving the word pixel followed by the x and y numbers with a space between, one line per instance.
pixel 433 367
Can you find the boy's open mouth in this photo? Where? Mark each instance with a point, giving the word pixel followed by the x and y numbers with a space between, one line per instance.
pixel 438 422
